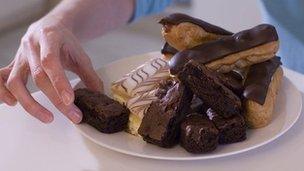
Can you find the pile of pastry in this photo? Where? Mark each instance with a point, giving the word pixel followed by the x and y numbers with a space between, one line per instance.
pixel 207 88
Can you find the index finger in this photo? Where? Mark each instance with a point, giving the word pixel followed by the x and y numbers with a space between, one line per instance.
pixel 50 61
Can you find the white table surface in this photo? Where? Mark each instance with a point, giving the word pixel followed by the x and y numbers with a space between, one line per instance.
pixel 28 145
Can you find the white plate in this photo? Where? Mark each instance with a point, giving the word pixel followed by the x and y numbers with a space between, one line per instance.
pixel 287 111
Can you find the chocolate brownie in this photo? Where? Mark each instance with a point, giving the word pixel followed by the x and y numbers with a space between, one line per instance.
pixel 231 130
pixel 164 86
pixel 210 90
pixel 233 81
pixel 198 134
pixel 161 123
pixel 197 106
pixel 101 112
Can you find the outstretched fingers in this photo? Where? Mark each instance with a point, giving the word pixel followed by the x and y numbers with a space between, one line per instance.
pixel 16 85
pixel 44 84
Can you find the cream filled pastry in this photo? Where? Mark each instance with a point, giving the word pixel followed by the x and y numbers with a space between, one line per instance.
pixel 141 80
pixel 138 106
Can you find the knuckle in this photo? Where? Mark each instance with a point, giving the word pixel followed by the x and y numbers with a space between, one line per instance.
pixel 49 31
pixel 46 30
pixel 27 40
pixel 58 103
pixel 11 82
pixel 30 107
pixel 38 76
pixel 47 60
pixel 57 80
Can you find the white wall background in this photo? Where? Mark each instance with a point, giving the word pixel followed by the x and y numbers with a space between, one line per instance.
pixel 234 15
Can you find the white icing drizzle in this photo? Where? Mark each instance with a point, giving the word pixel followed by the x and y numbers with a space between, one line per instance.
pixel 144 78
pixel 139 104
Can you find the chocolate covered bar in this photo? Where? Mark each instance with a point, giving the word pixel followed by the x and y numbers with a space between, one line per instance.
pixel 206 85
pixel 198 134
pixel 231 129
pixel 261 88
pixel 141 80
pixel 161 123
pixel 183 32
pixel 240 50
pixel 101 112
pixel 139 104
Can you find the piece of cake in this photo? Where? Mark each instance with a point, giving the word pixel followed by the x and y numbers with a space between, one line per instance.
pixel 197 106
pixel 141 80
pixel 161 123
pixel 101 112
pixel 139 104
pixel 198 134
pixel 231 130
pixel 210 90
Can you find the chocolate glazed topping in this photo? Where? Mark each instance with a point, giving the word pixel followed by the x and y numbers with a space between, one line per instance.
pixel 167 49
pixel 178 18
pixel 259 78
pixel 222 47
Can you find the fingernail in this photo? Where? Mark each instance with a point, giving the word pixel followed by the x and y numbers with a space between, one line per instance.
pixel 75 115
pixel 67 97
pixel 45 117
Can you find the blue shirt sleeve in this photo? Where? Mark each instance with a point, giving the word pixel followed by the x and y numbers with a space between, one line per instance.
pixel 288 18
pixel 147 7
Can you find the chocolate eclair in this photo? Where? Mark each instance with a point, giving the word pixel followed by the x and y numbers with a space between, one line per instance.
pixel 261 88
pixel 168 51
pixel 183 32
pixel 161 123
pixel 207 86
pixel 240 50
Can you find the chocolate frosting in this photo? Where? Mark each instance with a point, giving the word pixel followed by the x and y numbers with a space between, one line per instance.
pixel 178 18
pixel 224 46
pixel 259 78
pixel 167 49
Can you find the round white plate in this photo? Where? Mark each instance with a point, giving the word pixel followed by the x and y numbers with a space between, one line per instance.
pixel 287 111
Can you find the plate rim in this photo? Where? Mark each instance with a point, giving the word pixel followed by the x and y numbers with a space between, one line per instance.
pixel 135 154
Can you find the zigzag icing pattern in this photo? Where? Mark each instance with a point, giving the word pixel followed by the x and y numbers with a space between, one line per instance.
pixel 144 78
pixel 138 105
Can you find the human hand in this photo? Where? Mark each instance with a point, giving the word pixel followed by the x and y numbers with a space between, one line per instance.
pixel 46 50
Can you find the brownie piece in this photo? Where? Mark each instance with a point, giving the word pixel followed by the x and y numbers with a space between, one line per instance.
pixel 210 90
pixel 101 112
pixel 197 106
pixel 164 86
pixel 198 134
pixel 231 130
pixel 233 81
pixel 161 123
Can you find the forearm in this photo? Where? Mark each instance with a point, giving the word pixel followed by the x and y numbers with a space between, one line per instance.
pixel 90 18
